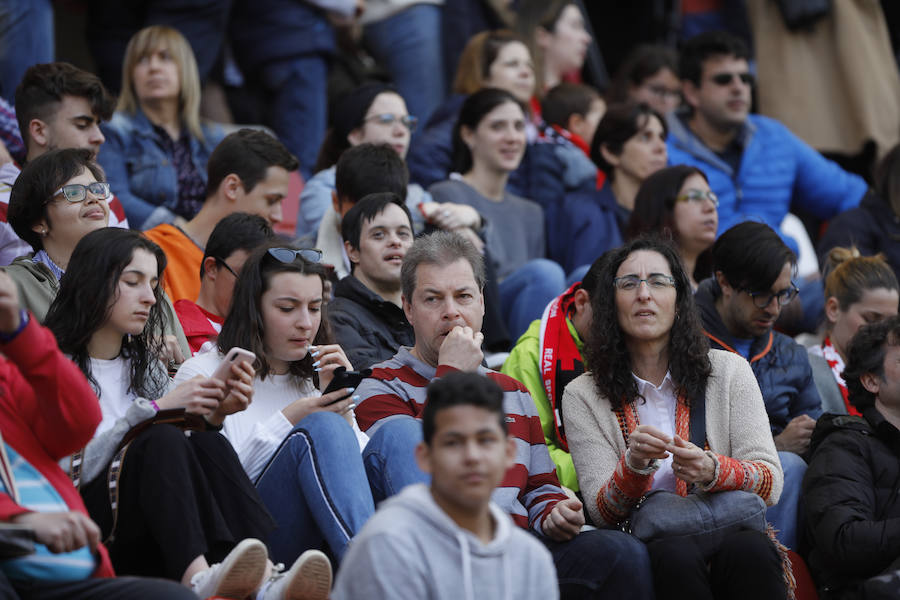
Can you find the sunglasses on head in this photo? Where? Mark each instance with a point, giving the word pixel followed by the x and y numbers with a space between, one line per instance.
pixel 726 78
pixel 289 255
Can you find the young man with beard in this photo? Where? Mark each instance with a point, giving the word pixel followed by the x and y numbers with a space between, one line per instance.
pixel 430 540
pixel 366 313
pixel 738 308
pixel 442 278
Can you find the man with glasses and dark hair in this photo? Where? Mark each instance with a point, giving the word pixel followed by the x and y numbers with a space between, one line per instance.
pixel 738 307
pixel 756 166
pixel 229 245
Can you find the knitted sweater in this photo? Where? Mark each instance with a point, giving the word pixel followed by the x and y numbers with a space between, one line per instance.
pixel 736 429
pixel 530 489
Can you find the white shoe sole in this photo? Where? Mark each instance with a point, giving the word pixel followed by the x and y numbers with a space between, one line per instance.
pixel 244 570
pixel 309 577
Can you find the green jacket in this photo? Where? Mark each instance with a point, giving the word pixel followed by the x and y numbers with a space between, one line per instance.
pixel 38 287
pixel 523 365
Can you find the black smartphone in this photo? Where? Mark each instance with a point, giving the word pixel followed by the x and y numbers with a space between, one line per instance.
pixel 345 379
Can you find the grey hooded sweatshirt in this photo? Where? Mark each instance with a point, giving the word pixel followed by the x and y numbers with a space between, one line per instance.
pixel 411 550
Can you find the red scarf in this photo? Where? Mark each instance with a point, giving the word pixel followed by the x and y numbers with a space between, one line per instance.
pixel 559 355
pixel 834 360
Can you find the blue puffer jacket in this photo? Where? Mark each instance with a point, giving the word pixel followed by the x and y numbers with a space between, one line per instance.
pixel 778 172
pixel 780 364
pixel 141 173
pixel 582 226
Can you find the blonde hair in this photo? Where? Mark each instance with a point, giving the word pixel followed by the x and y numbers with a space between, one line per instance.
pixel 482 49
pixel 151 39
pixel 848 275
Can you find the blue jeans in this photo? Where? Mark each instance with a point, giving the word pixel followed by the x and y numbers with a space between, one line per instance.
pixel 526 292
pixel 316 489
pixel 783 516
pixel 409 46
pixel 26 39
pixel 389 457
pixel 602 563
pixel 297 105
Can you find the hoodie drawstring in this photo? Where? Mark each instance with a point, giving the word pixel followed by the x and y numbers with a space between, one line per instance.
pixel 466 565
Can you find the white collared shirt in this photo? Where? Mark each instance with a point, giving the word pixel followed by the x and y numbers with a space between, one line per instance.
pixel 658 409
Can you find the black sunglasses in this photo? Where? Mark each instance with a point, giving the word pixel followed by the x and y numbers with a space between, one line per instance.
pixel 289 255
pixel 724 79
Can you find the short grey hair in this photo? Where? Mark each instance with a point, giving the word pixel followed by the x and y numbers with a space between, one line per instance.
pixel 440 248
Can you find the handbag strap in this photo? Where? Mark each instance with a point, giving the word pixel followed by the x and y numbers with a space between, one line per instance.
pixel 698 420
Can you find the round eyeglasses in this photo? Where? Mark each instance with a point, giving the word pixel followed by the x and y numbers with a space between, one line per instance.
pixel 763 299
pixel 77 192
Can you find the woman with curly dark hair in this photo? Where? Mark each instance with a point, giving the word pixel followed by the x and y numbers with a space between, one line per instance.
pixel 628 423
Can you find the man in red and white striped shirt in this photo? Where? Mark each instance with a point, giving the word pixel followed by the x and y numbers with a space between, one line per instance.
pixel 442 278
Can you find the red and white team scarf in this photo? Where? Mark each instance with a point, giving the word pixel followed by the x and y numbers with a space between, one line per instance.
pixel 559 355
pixel 836 363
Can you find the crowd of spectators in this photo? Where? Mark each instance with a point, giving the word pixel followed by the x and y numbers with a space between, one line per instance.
pixel 412 296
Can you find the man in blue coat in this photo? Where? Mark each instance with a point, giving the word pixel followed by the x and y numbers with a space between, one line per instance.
pixel 756 166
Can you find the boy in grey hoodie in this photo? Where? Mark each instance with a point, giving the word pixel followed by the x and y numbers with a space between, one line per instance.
pixel 448 540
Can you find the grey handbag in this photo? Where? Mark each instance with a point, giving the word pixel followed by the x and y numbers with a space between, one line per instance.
pixel 706 519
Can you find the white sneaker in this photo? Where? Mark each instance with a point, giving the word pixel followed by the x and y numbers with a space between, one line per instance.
pixel 309 578
pixel 238 576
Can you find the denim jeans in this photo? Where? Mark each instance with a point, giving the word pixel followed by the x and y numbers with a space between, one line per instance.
pixel 409 46
pixel 602 563
pixel 526 292
pixel 316 489
pixel 783 516
pixel 26 39
pixel 297 105
pixel 389 457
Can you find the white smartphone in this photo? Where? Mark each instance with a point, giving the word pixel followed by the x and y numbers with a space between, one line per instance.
pixel 232 357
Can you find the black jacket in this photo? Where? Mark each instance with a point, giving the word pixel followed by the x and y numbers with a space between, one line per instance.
pixel 851 509
pixel 368 328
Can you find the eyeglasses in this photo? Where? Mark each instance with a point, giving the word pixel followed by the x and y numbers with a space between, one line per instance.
pixel 388 120
pixel 698 196
pixel 76 192
pixel 289 255
pixel 763 299
pixel 222 262
pixel 656 282
pixel 664 93
pixel 724 79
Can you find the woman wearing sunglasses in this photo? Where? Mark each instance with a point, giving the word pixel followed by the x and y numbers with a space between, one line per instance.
pixel 677 203
pixel 300 447
pixel 171 505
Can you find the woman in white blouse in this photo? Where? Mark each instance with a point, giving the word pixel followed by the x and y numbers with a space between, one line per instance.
pixel 628 423
pixel 301 448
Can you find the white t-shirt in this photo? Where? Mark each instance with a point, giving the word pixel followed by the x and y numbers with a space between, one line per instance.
pixel 112 377
pixel 257 432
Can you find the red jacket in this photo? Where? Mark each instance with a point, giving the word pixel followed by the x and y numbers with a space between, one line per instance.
pixel 47 412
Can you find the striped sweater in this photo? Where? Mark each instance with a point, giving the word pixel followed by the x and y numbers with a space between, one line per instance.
pixel 530 489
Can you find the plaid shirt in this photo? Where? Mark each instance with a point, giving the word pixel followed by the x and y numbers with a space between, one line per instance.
pixel 9 132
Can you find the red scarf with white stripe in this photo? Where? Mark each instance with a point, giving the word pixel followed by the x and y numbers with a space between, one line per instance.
pixel 834 360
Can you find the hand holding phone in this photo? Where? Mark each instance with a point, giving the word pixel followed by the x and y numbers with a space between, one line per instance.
pixel 232 357
pixel 345 379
